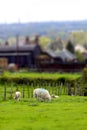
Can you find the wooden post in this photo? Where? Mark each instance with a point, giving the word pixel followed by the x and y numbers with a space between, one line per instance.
pixel 57 89
pixel 4 92
pixel 28 91
pixel 23 91
pixel 11 91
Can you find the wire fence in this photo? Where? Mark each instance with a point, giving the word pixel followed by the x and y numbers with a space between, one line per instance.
pixel 7 91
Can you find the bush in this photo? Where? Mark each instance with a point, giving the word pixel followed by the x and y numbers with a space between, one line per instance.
pixel 35 81
pixel 83 82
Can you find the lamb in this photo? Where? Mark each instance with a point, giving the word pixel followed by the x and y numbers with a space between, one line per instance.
pixel 54 96
pixel 17 95
pixel 41 94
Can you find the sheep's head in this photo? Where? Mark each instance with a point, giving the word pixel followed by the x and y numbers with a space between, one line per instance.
pixel 54 96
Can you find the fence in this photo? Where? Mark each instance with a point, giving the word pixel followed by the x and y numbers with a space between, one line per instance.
pixel 7 90
pixel 61 67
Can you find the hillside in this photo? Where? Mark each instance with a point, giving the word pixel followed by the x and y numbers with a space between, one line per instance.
pixel 74 30
pixel 42 28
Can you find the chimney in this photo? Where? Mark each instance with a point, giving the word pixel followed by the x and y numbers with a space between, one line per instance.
pixel 36 39
pixel 6 43
pixel 27 40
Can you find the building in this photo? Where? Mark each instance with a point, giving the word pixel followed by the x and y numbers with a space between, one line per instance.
pixel 29 54
pixel 23 55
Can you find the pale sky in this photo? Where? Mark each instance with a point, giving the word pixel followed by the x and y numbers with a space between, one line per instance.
pixel 42 10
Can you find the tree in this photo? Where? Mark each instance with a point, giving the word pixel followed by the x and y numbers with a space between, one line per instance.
pixel 57 44
pixel 44 41
pixel 70 47
pixel 79 56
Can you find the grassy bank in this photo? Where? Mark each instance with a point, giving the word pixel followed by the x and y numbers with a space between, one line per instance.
pixel 42 75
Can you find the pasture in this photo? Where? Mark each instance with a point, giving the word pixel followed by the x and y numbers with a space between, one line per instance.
pixel 64 113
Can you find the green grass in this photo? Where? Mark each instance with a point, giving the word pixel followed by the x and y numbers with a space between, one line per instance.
pixel 65 113
pixel 42 75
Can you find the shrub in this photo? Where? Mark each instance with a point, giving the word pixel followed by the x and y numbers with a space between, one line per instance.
pixel 83 82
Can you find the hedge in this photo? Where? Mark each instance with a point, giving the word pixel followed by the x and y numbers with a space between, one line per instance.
pixel 35 81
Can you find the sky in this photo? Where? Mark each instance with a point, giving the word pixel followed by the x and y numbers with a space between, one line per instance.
pixel 12 11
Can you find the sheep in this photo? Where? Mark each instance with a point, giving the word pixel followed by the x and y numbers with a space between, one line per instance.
pixel 41 94
pixel 12 67
pixel 17 95
pixel 54 96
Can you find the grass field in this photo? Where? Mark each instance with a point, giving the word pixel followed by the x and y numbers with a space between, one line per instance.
pixel 64 113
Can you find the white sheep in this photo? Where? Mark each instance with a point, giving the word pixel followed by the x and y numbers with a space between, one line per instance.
pixel 12 67
pixel 54 96
pixel 17 95
pixel 41 94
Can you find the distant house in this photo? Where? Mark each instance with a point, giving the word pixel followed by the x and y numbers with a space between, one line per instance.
pixel 65 55
pixel 31 55
pixel 80 48
pixel 22 54
pixel 62 61
pixel 61 56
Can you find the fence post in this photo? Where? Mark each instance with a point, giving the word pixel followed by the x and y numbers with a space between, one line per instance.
pixel 11 91
pixel 57 89
pixel 52 87
pixel 4 92
pixel 60 88
pixel 32 89
pixel 28 90
pixel 23 91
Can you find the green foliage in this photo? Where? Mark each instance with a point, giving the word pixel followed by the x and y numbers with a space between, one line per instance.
pixel 83 82
pixel 84 75
pixel 48 29
pixel 56 44
pixel 79 37
pixel 79 56
pixel 26 82
pixel 25 78
pixel 44 41
pixel 70 47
